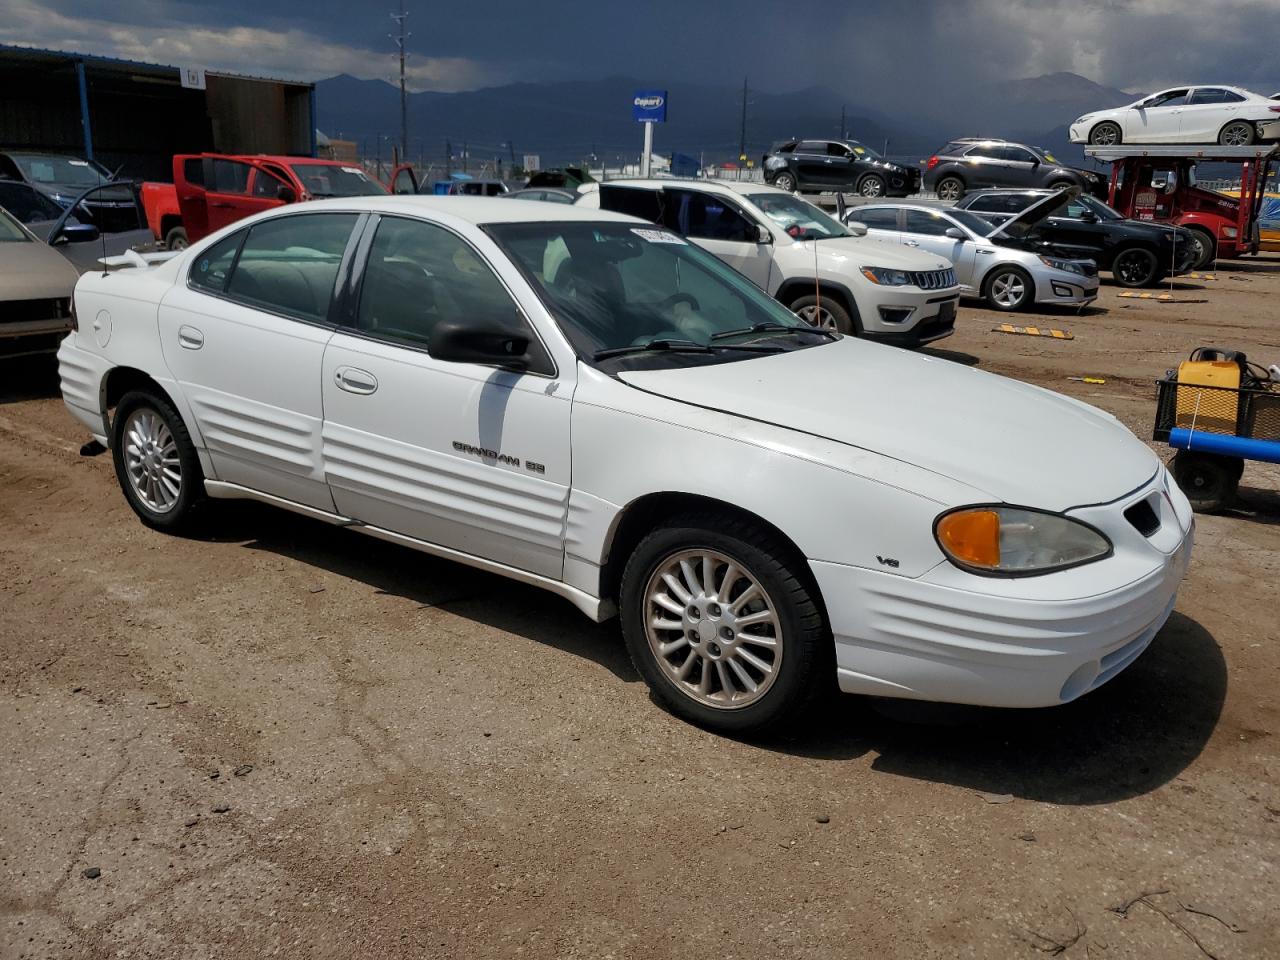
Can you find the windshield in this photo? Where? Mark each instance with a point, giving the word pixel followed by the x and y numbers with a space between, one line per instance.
pixel 10 232
pixel 615 285
pixel 800 219
pixel 26 203
pixel 38 168
pixel 322 180
pixel 1096 206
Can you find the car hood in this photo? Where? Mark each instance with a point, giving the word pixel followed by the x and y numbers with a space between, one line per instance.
pixel 850 254
pixel 33 271
pixel 1020 224
pixel 1017 443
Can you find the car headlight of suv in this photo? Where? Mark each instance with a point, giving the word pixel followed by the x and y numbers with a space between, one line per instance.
pixel 886 277
pixel 1016 541
pixel 1070 266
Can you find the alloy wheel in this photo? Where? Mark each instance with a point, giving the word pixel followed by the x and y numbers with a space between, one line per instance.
pixel 785 181
pixel 151 460
pixel 950 189
pixel 1133 267
pixel 1238 134
pixel 713 629
pixel 871 187
pixel 1008 290
pixel 1105 135
pixel 819 317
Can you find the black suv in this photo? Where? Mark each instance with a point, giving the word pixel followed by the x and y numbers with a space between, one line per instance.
pixel 820 166
pixel 1137 253
pixel 971 162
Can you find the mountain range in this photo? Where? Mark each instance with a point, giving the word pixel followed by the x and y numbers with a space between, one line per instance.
pixel 576 120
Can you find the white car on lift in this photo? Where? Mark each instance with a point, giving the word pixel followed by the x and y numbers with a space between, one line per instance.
pixel 586 402
pixel 997 264
pixel 1231 116
pixel 831 275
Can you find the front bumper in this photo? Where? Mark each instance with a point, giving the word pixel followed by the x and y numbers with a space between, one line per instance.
pixel 909 316
pixel 1027 642
pixel 1065 288
pixel 1078 133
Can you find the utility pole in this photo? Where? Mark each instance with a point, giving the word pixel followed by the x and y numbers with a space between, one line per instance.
pixel 448 159
pixel 844 130
pixel 742 143
pixel 464 156
pixel 404 112
pixel 511 145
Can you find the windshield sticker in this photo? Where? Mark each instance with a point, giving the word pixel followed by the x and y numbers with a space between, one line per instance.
pixel 657 236
pixel 78 163
pixel 1050 157
pixel 859 150
pixel 355 170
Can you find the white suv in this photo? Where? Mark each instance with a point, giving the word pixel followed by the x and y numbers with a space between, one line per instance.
pixel 829 274
pixel 589 403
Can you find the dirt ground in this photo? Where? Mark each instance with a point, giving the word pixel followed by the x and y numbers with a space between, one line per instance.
pixel 282 739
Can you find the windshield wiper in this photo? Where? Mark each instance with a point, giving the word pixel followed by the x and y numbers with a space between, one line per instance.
pixel 771 326
pixel 680 346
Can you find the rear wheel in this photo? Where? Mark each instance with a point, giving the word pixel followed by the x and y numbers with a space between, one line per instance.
pixel 1105 134
pixel 156 462
pixel 872 185
pixel 1135 267
pixel 950 189
pixel 1205 248
pixel 176 239
pixel 1061 185
pixel 786 180
pixel 723 623
pixel 1237 133
pixel 1008 289
pixel 829 314
pixel 1209 481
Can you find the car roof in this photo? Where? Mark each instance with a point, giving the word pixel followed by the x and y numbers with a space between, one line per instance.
pixel 476 210
pixel 740 188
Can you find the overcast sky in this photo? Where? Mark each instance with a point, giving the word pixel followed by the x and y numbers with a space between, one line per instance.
pixel 893 52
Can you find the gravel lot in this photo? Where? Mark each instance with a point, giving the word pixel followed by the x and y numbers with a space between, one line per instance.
pixel 287 740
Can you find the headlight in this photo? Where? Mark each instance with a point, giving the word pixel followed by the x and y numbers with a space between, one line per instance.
pixel 886 277
pixel 1071 266
pixel 1230 232
pixel 1016 541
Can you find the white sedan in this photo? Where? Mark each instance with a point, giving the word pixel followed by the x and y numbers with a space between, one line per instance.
pixel 1231 116
pixel 587 402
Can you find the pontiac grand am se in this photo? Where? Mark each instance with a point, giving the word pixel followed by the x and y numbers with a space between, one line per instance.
pixel 587 402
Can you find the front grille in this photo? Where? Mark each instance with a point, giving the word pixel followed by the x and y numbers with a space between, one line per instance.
pixel 934 279
pixel 25 311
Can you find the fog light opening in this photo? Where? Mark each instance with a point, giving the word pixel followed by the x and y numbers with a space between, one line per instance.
pixel 1080 680
pixel 1062 290
pixel 895 314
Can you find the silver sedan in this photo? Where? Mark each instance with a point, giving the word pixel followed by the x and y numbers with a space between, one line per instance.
pixel 997 264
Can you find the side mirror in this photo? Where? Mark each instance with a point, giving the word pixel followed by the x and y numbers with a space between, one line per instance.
pixel 763 234
pixel 1171 184
pixel 77 233
pixel 456 342
pixel 955 233
pixel 286 194
pixel 856 228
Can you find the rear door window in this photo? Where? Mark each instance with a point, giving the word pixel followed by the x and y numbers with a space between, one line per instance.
pixel 876 219
pixel 983 151
pixel 1203 95
pixel 646 204
pixel 289 265
pixel 229 176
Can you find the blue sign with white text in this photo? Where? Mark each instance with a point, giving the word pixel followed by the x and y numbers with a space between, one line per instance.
pixel 649 106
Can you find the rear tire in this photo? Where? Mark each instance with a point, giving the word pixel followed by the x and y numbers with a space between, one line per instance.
pixel 176 239
pixel 872 185
pixel 1210 482
pixel 1135 267
pixel 786 180
pixel 156 462
pixel 830 315
pixel 950 189
pixel 1009 289
pixel 1106 134
pixel 687 643
pixel 1208 249
pixel 1237 133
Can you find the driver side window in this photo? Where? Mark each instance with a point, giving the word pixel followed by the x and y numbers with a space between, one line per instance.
pixel 706 217
pixel 924 222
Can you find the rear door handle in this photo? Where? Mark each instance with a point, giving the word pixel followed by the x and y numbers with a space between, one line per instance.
pixel 190 337
pixel 355 380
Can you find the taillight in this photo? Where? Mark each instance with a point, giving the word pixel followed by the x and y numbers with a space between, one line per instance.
pixel 933 162
pixel 75 321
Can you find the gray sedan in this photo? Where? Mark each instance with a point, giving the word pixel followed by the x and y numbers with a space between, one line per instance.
pixel 996 264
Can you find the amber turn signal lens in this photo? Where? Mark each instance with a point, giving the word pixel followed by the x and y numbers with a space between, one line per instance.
pixel 972 537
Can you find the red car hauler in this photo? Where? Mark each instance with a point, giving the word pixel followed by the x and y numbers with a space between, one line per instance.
pixel 1159 183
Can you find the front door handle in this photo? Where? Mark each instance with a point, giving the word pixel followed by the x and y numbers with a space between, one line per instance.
pixel 355 380
pixel 190 338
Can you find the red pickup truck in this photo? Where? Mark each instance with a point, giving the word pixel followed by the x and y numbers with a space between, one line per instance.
pixel 212 190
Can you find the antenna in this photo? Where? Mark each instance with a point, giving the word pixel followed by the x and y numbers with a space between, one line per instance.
pixel 400 18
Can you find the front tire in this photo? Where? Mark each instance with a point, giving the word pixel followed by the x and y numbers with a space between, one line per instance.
pixel 1209 481
pixel 722 621
pixel 1207 248
pixel 156 462
pixel 872 185
pixel 950 189
pixel 176 239
pixel 829 314
pixel 1237 133
pixel 1106 134
pixel 1009 289
pixel 786 180
pixel 1135 267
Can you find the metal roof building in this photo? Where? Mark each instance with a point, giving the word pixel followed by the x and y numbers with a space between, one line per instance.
pixel 124 112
